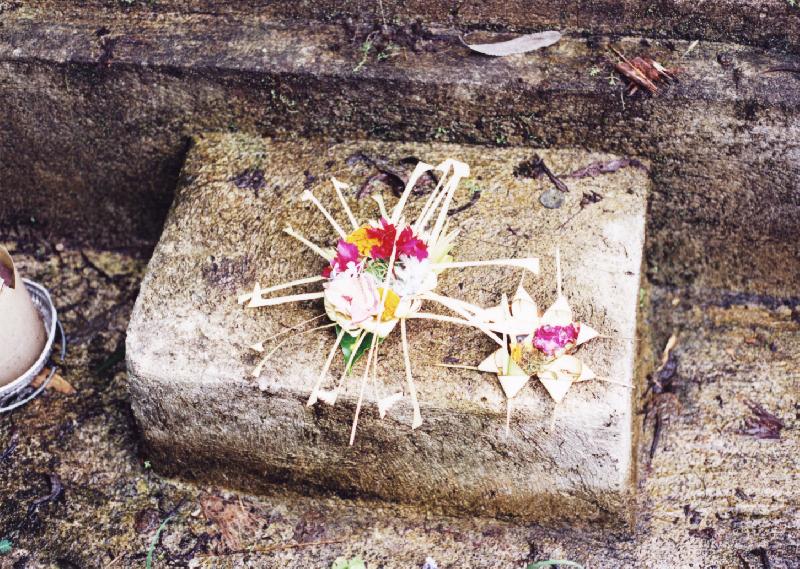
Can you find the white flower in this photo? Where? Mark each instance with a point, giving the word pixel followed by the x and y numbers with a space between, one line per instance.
pixel 413 276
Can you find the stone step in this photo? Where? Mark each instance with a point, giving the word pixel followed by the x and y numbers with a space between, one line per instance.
pixel 203 415
pixel 98 124
pixel 770 23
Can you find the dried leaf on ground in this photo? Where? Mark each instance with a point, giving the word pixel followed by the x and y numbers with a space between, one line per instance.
pixel 58 383
pixel 762 424
pixel 671 343
pixel 536 167
pixel 597 168
pixel 394 177
pixel 56 490
pixel 232 518
pixel 662 378
pixel 7 277
pixel 589 198
pixel 522 44
pixel 705 533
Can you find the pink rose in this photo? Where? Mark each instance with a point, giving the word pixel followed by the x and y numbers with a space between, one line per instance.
pixel 354 299
pixel 550 339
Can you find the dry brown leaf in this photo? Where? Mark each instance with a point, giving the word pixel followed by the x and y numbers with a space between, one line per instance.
pixel 597 168
pixel 762 424
pixel 232 518
pixel 58 383
pixel 636 76
pixel 7 277
pixel 667 349
pixel 522 44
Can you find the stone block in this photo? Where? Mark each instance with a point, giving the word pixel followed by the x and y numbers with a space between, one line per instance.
pixel 203 415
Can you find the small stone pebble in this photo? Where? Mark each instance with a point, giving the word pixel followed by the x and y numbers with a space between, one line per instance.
pixel 552 198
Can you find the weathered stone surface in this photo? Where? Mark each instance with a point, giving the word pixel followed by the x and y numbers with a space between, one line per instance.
pixel 203 415
pixel 768 23
pixel 97 111
pixel 710 496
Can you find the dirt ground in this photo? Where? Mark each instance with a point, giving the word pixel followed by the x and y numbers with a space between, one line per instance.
pixel 715 489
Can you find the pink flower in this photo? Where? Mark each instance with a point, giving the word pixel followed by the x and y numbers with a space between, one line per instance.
pixel 550 339
pixel 407 243
pixel 353 299
pixel 346 253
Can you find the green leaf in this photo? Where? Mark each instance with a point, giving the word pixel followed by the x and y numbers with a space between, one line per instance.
pixel 377 268
pixel 5 547
pixel 349 342
pixel 551 562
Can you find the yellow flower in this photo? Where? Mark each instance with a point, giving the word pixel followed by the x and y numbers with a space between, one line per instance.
pixel 360 239
pixel 516 352
pixel 389 305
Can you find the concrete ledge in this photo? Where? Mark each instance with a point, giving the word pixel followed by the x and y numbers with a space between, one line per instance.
pixel 765 23
pixel 99 111
pixel 202 415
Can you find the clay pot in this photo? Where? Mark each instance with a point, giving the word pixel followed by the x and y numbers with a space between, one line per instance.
pixel 22 333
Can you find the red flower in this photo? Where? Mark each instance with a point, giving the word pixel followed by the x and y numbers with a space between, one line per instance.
pixel 345 253
pixel 550 339
pixel 407 243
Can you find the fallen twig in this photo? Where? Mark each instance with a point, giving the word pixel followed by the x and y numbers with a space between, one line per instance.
pixel 99 270
pixel 643 73
pixel 786 69
pixel 12 445
pixel 535 167
pixel 690 48
pixel 587 199
pixel 388 174
pixel 56 489
pixel 656 435
pixel 473 199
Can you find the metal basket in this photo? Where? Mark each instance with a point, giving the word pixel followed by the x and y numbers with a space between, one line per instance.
pixel 17 393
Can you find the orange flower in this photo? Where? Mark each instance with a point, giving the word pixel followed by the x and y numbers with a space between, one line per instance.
pixel 389 305
pixel 363 241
